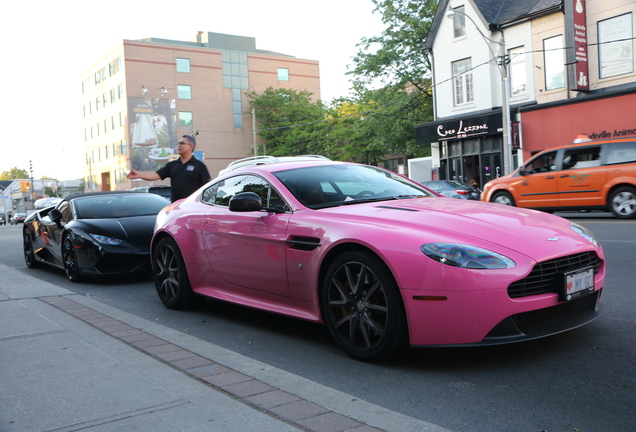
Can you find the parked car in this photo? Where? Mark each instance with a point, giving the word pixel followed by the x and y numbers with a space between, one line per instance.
pixel 163 190
pixel 3 221
pixel 382 261
pixel 592 175
pixel 453 189
pixel 18 218
pixel 99 233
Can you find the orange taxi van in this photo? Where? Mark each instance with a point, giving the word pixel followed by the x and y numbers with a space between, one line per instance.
pixel 588 175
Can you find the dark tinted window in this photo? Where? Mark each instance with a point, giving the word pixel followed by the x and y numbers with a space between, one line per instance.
pixel 543 163
pixel 220 193
pixel 586 157
pixel 334 184
pixel 117 206
pixel 65 209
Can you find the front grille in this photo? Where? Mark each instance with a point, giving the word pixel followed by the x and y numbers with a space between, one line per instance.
pixel 123 263
pixel 545 277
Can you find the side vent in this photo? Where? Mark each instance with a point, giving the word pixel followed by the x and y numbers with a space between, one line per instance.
pixel 303 243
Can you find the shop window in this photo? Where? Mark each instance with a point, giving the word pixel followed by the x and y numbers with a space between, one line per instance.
pixel 615 46
pixel 553 63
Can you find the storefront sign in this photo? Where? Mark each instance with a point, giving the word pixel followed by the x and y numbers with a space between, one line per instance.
pixel 576 37
pixel 617 133
pixel 458 129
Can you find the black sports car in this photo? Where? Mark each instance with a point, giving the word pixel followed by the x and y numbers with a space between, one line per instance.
pixel 98 233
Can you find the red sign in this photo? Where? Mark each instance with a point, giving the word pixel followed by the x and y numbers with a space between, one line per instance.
pixel 581 79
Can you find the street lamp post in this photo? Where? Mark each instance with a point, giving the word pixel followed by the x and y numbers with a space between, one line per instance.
pixel 505 96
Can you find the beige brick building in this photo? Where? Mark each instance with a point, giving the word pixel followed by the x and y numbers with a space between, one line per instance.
pixel 145 94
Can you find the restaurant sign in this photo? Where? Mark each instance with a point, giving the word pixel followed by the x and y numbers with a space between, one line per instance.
pixel 458 129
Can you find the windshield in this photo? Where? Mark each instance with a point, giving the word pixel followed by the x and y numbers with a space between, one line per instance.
pixel 117 206
pixel 332 185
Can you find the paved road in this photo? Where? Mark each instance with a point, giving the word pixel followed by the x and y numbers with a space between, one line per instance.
pixel 583 380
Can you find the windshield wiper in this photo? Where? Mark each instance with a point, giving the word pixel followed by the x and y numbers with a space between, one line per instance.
pixel 410 196
pixel 366 200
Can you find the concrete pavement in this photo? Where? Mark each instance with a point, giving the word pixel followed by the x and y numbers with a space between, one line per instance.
pixel 71 363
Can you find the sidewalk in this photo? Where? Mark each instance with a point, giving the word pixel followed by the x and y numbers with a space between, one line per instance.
pixel 71 363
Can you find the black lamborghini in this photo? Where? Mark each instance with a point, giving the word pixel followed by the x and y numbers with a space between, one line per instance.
pixel 98 233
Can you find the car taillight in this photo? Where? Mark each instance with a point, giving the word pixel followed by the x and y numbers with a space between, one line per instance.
pixel 461 191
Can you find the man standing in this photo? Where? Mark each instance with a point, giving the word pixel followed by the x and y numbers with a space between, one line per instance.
pixel 187 174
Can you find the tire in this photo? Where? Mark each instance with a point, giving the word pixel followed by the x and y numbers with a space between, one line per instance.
pixel 363 308
pixel 29 254
pixel 503 198
pixel 622 202
pixel 170 275
pixel 69 259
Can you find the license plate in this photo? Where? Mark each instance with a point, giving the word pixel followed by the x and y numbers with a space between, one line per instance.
pixel 578 283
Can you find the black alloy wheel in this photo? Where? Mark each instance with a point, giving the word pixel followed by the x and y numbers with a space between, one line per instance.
pixel 171 278
pixel 363 308
pixel 29 253
pixel 69 258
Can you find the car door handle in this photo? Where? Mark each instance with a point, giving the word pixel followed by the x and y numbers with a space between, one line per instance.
pixel 550 178
pixel 564 176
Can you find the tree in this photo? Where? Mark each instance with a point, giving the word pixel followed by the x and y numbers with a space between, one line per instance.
pixel 49 192
pixel 384 123
pixel 14 173
pixel 289 121
pixel 397 61
pixel 396 58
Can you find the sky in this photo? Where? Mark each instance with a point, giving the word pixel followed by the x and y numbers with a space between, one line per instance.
pixel 46 46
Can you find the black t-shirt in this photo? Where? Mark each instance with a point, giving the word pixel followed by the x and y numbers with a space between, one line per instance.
pixel 185 178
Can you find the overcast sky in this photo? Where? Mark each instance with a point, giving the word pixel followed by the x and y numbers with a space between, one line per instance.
pixel 46 46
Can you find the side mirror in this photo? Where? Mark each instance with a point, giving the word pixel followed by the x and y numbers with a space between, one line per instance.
pixel 246 202
pixel 56 216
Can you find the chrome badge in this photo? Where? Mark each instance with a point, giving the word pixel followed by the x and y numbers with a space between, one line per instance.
pixel 552 239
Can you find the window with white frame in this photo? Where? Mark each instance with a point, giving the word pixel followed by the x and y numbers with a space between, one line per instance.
pixel 554 63
pixel 463 82
pixel 183 65
pixel 185 118
pixel 615 46
pixel 459 22
pixel 517 66
pixel 184 91
pixel 283 74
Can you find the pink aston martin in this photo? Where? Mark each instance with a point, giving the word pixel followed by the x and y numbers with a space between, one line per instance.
pixel 382 261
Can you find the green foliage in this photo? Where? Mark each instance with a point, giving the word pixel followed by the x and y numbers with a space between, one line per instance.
pixel 396 57
pixel 388 127
pixel 49 192
pixel 14 173
pixel 289 121
pixel 370 123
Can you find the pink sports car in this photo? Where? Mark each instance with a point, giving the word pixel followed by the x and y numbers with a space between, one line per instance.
pixel 382 261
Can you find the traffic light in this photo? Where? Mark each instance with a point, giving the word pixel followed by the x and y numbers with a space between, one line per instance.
pixel 25 186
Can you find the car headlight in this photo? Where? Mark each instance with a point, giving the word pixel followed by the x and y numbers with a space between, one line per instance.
pixel 585 233
pixel 105 240
pixel 464 256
